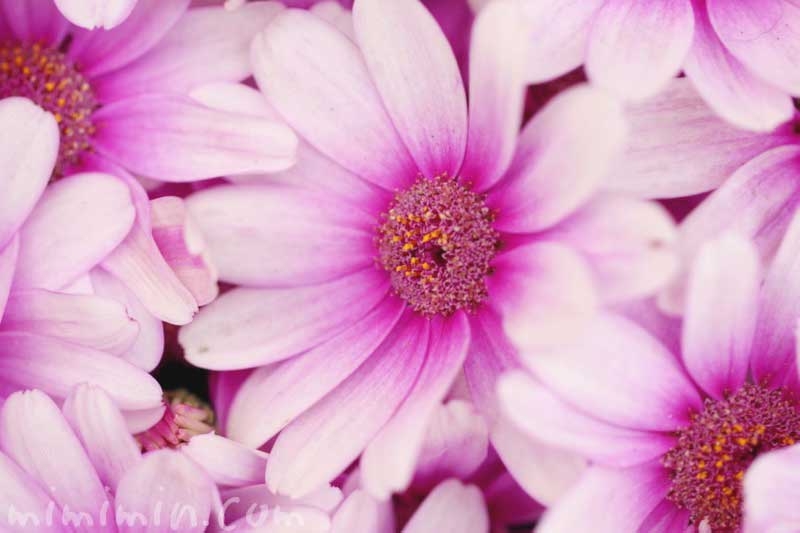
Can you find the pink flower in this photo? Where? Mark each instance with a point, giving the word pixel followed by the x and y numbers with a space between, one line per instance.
pixel 132 95
pixel 671 433
pixel 768 492
pixel 456 447
pixel 409 235
pixel 92 14
pixel 741 56
pixel 81 470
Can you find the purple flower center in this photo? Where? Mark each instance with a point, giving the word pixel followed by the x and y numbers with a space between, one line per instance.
pixel 48 77
pixel 709 462
pixel 437 242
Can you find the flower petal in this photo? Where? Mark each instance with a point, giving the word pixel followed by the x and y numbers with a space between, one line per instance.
pixel 582 120
pixel 78 221
pixel 451 508
pixel 29 150
pixel 326 91
pixel 226 461
pixel 324 440
pixel 172 138
pixel 8 263
pixel 56 367
pixel 636 46
pixel 36 20
pixel 362 512
pixel 244 328
pixel 99 425
pixel 721 311
pixel 96 13
pixel 87 320
pixel 21 496
pixel 730 87
pixel 402 437
pixel 275 235
pixel 618 373
pixel 770 491
pixel 273 396
pixel 418 78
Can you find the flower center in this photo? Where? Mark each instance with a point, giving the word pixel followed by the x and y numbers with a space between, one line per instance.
pixel 186 416
pixel 709 462
pixel 48 77
pixel 437 243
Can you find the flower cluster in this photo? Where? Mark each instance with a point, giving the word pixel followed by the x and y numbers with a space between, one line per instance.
pixel 399 266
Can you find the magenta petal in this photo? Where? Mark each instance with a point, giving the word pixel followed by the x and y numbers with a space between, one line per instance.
pixel 617 372
pixel 99 52
pixel 327 91
pixel 418 78
pixel 87 320
pixel 245 328
pixel 546 418
pixel 20 492
pixel 324 440
pixel 28 154
pixel 402 437
pixel 78 221
pixel 167 138
pixel 636 46
pixel 275 395
pixel 721 311
pixel 609 499
pixel 36 20
pixel 101 428
pixel 227 462
pixel 8 262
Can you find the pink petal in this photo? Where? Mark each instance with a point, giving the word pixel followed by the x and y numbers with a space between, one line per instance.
pixel 21 496
pixel 180 61
pixel 762 34
pixel 771 490
pixel 87 320
pixel 362 512
pixel 582 120
pixel 547 419
pixel 326 91
pixel 181 244
pixel 96 13
pixel 544 292
pixel 244 328
pixel 636 46
pixel 609 499
pixel 56 367
pixel 779 307
pixel 559 35
pixel 35 20
pixel 161 483
pixel 99 52
pixel 223 387
pixel 451 508
pixel 456 443
pixel 324 440
pixel 679 147
pixel 99 425
pixel 147 348
pixel 418 78
pixel 629 245
pixel 730 87
pixel 8 262
pixel 721 312
pixel 498 63
pixel 618 373
pixel 172 138
pixel 226 461
pixel 31 429
pixel 29 151
pixel 282 236
pixel 402 437
pixel 78 221
pixel 273 396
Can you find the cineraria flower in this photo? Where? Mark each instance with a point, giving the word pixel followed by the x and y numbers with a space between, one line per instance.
pixel 456 447
pixel 82 471
pixel 125 94
pixel 741 56
pixel 92 14
pixel 671 435
pixel 411 233
pixel 678 148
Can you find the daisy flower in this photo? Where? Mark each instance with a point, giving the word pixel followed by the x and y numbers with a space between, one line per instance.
pixel 741 56
pixel 671 434
pixel 411 236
